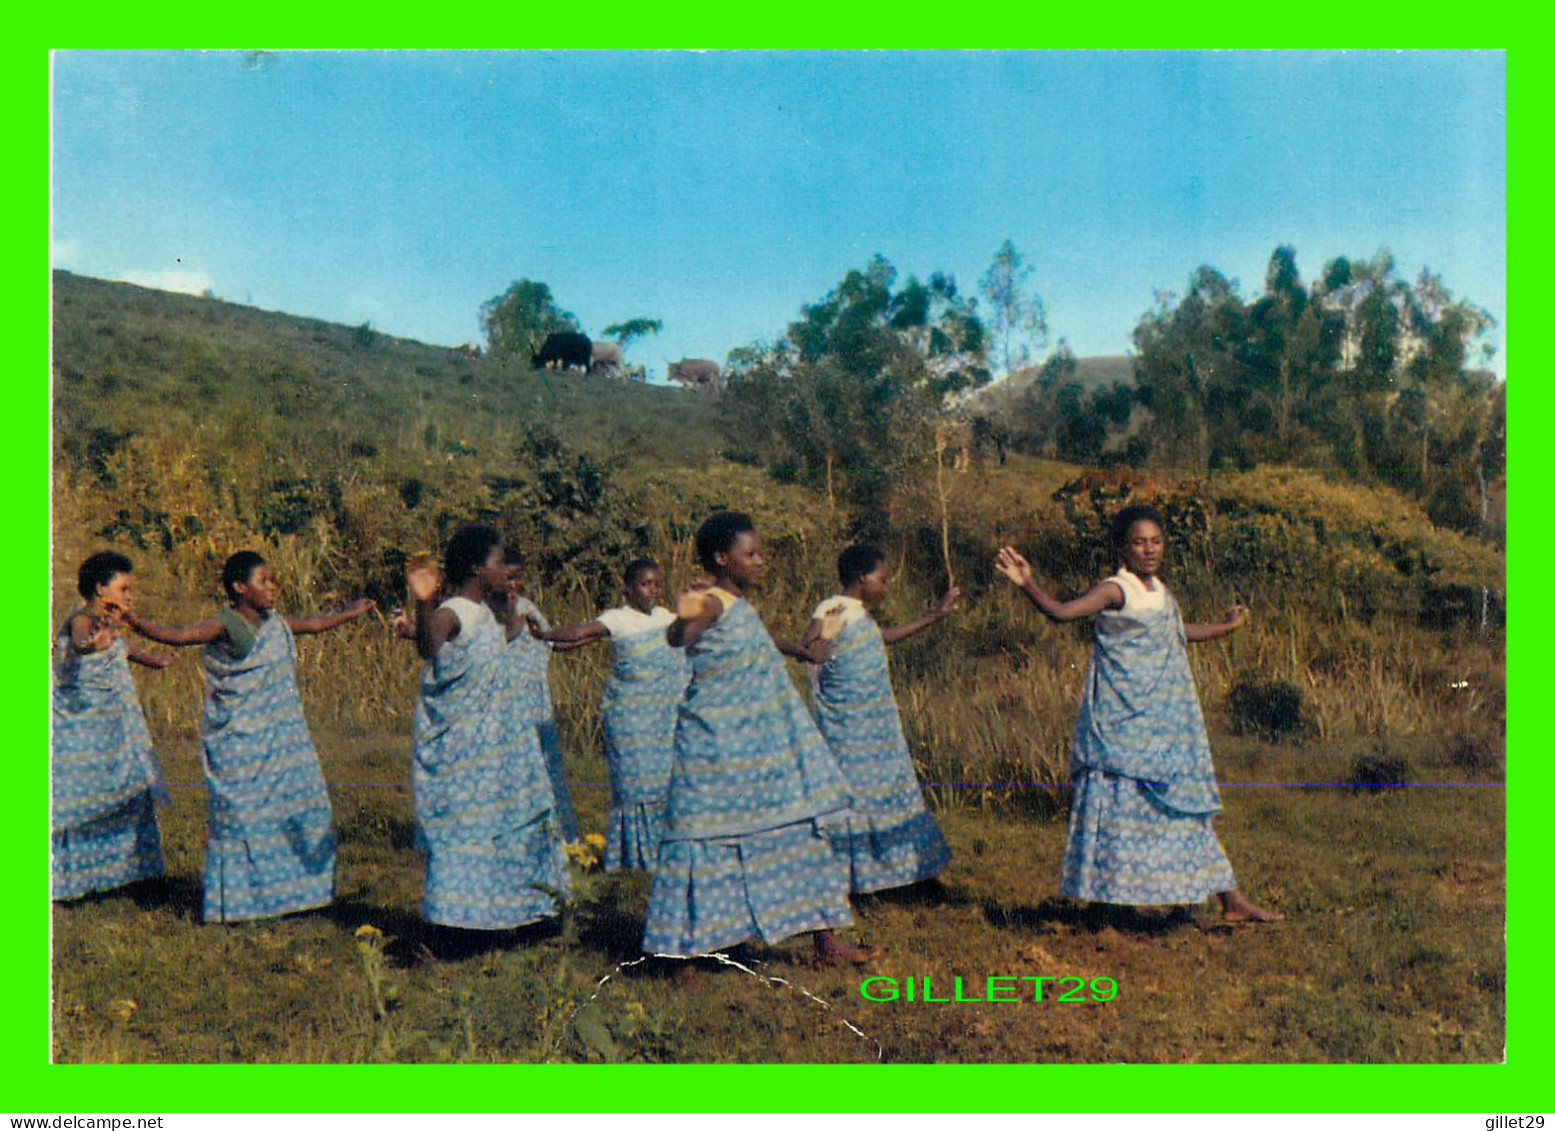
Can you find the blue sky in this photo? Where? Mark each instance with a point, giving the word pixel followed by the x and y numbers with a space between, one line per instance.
pixel 720 191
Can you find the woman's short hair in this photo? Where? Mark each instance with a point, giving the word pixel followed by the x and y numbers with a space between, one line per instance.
pixel 637 567
pixel 469 547
pixel 98 570
pixel 717 536
pixel 854 562
pixel 238 569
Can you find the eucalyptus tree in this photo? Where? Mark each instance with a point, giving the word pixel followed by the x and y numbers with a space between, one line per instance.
pixel 1017 319
pixel 849 397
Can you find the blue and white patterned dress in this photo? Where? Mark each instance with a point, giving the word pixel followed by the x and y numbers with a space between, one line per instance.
pixel 482 800
pixel 638 712
pixel 270 845
pixel 533 660
pixel 890 839
pixel 1140 827
pixel 745 850
pixel 104 780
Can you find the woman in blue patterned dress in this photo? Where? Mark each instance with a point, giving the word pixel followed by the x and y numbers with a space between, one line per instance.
pixel 744 850
pixel 104 778
pixel 891 840
pixel 483 802
pixel 1141 824
pixel 531 657
pixel 638 712
pixel 270 846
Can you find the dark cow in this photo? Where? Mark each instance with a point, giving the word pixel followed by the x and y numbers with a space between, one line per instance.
pixel 606 358
pixel 565 350
pixel 695 373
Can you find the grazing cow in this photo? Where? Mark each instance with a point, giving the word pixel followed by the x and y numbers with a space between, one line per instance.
pixel 638 373
pixel 565 351
pixel 606 358
pixel 695 373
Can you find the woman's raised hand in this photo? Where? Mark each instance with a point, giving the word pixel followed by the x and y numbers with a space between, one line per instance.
pixel 694 601
pixel 421 577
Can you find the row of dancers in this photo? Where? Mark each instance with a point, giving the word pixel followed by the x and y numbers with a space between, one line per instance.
pixel 757 816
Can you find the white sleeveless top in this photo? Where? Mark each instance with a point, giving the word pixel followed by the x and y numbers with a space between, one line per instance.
pixel 627 621
pixel 1136 597
pixel 852 609
pixel 470 613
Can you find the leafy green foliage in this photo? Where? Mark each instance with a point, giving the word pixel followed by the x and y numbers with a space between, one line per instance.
pixel 174 418
pixel 848 400
pixel 1018 320
pixel 1359 370
pixel 1357 598
pixel 633 328
pixel 1061 418
pixel 571 518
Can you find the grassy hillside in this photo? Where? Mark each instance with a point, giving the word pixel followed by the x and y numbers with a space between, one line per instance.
pixel 131 361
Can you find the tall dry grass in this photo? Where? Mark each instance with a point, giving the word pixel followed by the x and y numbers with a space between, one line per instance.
pixel 987 698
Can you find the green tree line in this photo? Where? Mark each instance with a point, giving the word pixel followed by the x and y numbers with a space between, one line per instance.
pixel 848 399
pixel 1357 369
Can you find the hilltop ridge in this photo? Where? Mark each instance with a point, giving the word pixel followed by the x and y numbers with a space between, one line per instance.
pixel 130 359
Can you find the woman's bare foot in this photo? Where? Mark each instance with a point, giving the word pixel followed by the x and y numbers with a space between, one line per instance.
pixel 830 949
pixel 1237 908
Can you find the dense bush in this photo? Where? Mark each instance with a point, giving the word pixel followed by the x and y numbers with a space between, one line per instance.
pixel 1271 710
pixel 1378 771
